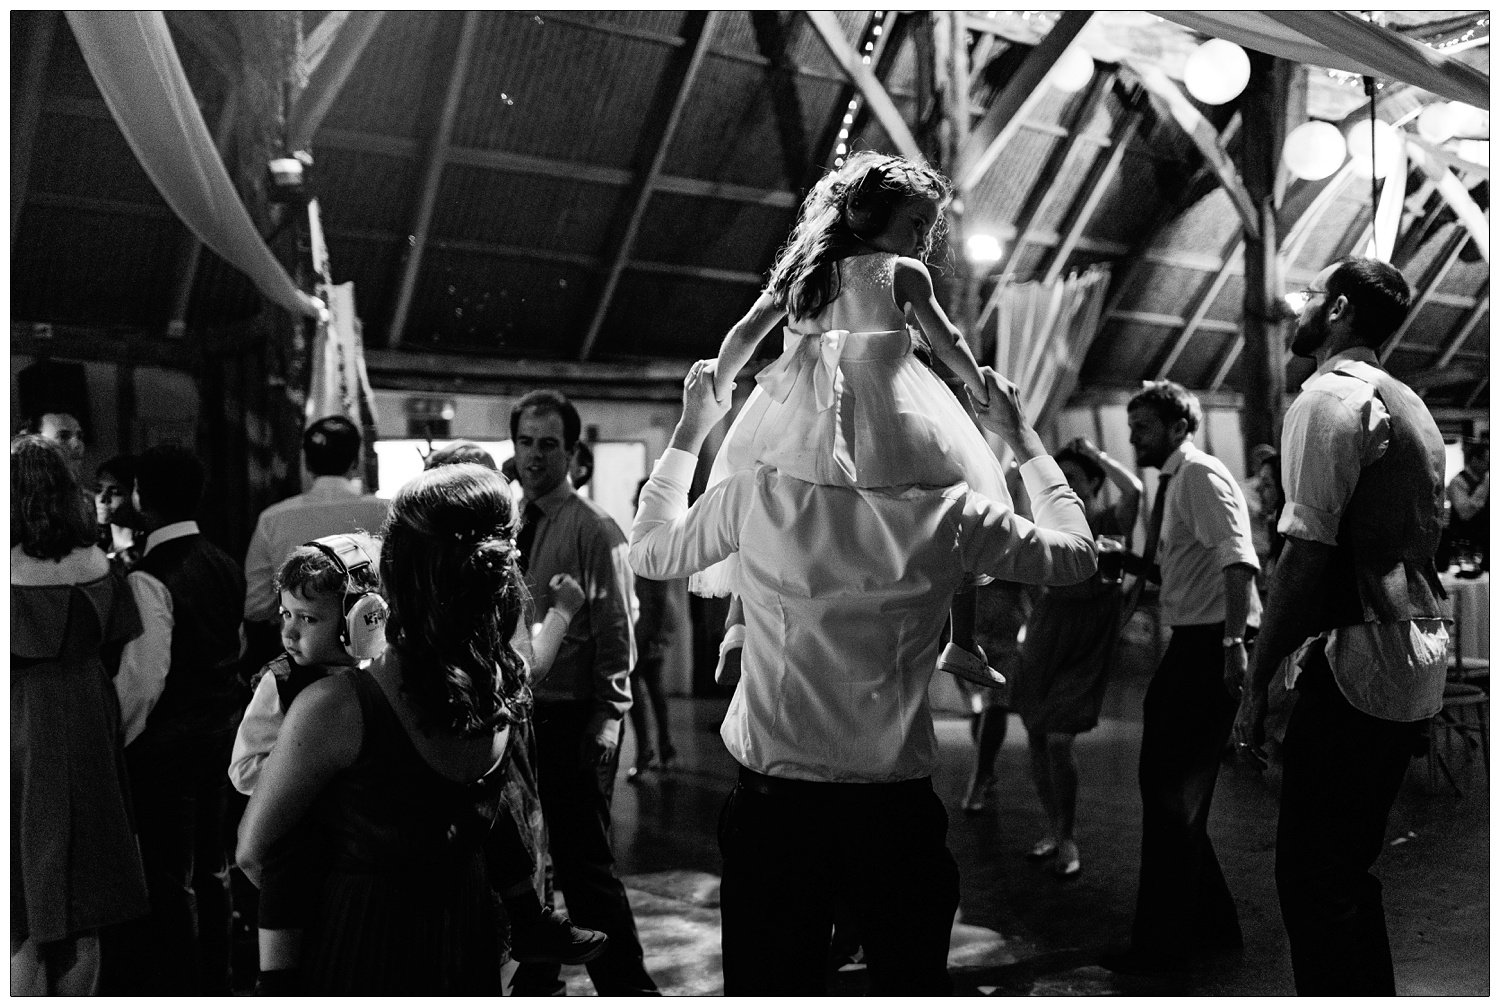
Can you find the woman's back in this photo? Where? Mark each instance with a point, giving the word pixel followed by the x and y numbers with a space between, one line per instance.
pixel 407 907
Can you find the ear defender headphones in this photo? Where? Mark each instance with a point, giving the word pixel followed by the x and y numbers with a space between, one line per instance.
pixel 365 612
pixel 868 205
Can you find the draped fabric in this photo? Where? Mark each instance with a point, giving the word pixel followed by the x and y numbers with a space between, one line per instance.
pixel 135 64
pixel 340 385
pixel 1044 331
pixel 1341 41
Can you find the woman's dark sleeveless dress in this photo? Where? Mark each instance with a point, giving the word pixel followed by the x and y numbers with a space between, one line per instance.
pixel 407 907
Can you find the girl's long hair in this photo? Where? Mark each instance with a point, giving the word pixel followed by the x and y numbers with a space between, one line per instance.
pixel 803 279
pixel 448 564
pixel 50 515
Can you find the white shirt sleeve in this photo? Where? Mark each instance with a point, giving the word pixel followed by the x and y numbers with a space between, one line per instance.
pixel 1056 549
pixel 257 735
pixel 1331 432
pixel 667 540
pixel 145 661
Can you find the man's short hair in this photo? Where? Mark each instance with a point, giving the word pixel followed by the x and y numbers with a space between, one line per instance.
pixel 331 446
pixel 1170 402
pixel 169 482
pixel 459 453
pixel 546 400
pixel 1377 292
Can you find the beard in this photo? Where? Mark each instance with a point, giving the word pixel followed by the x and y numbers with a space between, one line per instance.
pixel 1310 335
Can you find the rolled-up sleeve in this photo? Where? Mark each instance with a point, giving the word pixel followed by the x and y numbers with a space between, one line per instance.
pixel 1215 511
pixel 1057 549
pixel 668 540
pixel 1330 434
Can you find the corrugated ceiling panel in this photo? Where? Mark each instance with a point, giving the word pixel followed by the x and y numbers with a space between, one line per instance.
pixel 711 232
pixel 480 204
pixel 367 191
pixel 1431 327
pixel 1165 290
pixel 658 22
pixel 90 268
pixel 729 130
pixel 1323 242
pixel 1229 305
pixel 526 94
pixel 669 316
pixel 805 46
pixel 508 307
pixel 373 267
pixel 1465 278
pixel 70 151
pixel 397 85
pixel 1119 356
pixel 1201 358
pixel 1133 200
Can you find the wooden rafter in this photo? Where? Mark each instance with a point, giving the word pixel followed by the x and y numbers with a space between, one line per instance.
pixel 873 92
pixel 1016 100
pixel 1478 391
pixel 1464 330
pixel 312 49
pixel 773 38
pixel 1233 254
pixel 1447 158
pixel 432 177
pixel 326 65
pixel 1042 194
pixel 1094 186
pixel 700 30
pixel 27 109
pixel 882 58
pixel 1457 197
pixel 1436 273
pixel 1172 105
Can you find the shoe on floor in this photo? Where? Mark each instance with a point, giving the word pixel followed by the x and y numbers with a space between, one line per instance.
pixel 971 666
pixel 1043 849
pixel 551 937
pixel 978 797
pixel 1067 864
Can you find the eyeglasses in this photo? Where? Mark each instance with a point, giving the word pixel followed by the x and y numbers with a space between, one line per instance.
pixel 1298 299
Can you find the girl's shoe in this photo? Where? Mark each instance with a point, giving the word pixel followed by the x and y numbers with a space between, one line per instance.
pixel 1043 849
pixel 970 666
pixel 1067 865
pixel 980 790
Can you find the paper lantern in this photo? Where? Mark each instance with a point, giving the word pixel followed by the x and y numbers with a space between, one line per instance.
pixel 1474 151
pixel 982 248
pixel 1073 70
pixel 1314 150
pixel 1437 122
pixel 1389 145
pixel 1216 72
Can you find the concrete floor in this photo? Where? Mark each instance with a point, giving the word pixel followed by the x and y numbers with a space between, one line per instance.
pixel 1020 929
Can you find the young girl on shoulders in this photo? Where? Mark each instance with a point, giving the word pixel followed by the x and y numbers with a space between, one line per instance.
pixel 849 403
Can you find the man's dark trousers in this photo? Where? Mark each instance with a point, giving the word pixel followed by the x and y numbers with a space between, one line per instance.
pixel 1183 904
pixel 791 848
pixel 180 790
pixel 576 803
pixel 1343 769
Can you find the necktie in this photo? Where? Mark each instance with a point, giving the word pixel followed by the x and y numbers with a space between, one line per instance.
pixel 1148 554
pixel 527 535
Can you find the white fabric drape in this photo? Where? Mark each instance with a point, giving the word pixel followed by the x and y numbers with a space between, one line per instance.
pixel 1341 41
pixel 1043 332
pixel 135 64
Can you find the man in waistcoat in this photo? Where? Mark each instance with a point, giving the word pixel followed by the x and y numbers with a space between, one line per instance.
pixel 1363 466
pixel 180 701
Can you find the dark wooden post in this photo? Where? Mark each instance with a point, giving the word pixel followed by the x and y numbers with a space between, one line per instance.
pixel 1266 108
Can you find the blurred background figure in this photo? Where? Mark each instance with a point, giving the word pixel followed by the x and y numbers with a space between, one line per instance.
pixel 64 430
pixel 1269 498
pixel 113 485
pixel 653 636
pixel 1469 511
pixel 75 866
pixel 581 469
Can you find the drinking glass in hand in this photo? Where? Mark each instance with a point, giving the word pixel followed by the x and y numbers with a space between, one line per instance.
pixel 1111 557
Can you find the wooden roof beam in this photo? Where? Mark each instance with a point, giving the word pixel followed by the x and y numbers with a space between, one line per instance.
pixel 1457 197
pixel 1015 102
pixel 773 39
pixel 432 177
pixel 1050 179
pixel 326 59
pixel 882 57
pixel 1173 106
pixel 873 92
pixel 1447 256
pixel 1478 391
pixel 1095 185
pixel 701 27
pixel 1465 329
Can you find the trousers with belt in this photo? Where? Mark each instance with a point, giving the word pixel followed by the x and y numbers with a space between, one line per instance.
pixel 1183 903
pixel 793 850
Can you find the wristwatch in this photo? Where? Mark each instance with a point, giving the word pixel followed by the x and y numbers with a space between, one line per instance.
pixel 1234 641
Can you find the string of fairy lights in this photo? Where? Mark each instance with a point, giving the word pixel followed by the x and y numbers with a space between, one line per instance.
pixel 866 55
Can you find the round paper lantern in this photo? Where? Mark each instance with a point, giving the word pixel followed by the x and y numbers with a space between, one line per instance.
pixel 1474 151
pixel 1313 150
pixel 1436 123
pixel 982 248
pixel 1388 147
pixel 1216 72
pixel 1073 70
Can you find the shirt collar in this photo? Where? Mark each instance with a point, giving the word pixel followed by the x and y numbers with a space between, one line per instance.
pixel 1363 354
pixel 167 532
pixel 550 502
pixel 1174 460
pixel 328 486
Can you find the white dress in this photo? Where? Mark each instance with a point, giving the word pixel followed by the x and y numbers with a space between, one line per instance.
pixel 858 409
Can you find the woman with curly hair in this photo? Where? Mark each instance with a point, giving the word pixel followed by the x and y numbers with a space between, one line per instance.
pixel 74 864
pixel 405 766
